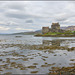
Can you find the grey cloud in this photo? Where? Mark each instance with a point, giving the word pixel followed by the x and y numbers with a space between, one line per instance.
pixel 64 16
pixel 60 19
pixel 16 5
pixel 23 14
pixel 29 21
pixel 16 15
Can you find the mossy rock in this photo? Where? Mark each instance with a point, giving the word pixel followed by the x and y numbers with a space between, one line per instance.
pixel 32 67
pixel 34 71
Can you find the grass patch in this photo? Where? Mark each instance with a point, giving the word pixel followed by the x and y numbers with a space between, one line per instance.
pixel 66 33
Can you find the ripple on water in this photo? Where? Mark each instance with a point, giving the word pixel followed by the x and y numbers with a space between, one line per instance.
pixel 25 55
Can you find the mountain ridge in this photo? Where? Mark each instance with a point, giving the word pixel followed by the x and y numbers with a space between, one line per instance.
pixel 40 31
pixel 72 28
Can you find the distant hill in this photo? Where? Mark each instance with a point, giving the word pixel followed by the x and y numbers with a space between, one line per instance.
pixel 63 28
pixel 38 31
pixel 30 33
pixel 26 33
pixel 72 28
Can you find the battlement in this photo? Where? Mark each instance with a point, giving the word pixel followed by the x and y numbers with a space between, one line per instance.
pixel 45 27
pixel 55 23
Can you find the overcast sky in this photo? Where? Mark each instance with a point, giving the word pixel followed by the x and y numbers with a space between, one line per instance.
pixel 22 16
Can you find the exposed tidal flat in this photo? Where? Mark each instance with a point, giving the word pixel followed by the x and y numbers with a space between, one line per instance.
pixel 26 54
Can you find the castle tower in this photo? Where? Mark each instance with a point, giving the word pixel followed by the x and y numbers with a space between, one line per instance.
pixel 45 30
pixel 55 27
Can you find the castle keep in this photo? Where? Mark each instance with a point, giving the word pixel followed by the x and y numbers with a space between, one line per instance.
pixel 55 27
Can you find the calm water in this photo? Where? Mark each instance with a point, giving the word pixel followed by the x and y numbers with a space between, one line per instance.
pixel 18 56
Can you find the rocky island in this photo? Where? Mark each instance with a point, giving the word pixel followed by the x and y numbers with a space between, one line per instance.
pixel 55 31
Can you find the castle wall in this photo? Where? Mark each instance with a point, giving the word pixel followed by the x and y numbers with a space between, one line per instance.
pixel 45 30
pixel 55 27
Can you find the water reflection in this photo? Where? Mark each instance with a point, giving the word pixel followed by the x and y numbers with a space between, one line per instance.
pixel 59 42
pixel 46 44
pixel 53 42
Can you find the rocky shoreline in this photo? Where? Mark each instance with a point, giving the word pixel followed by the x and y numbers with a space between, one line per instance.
pixel 54 35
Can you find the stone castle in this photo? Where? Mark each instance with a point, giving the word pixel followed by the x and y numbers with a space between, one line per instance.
pixel 55 27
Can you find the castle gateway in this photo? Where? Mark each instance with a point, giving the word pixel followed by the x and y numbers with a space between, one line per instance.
pixel 55 27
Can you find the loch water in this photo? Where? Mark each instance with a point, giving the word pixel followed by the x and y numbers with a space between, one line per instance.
pixel 20 54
